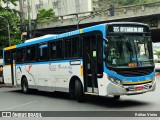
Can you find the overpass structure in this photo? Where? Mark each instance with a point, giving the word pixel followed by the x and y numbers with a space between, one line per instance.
pixel 145 13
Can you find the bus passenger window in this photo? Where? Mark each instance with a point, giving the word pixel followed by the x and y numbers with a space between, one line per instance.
pixel 53 49
pixel 43 52
pixel 72 48
pixel 75 43
pixel 21 57
pixel 31 53
pixel 7 57
pixel 68 49
pixel 56 50
pixel 59 49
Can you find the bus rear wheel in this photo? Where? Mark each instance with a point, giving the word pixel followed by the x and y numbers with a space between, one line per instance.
pixel 25 85
pixel 79 95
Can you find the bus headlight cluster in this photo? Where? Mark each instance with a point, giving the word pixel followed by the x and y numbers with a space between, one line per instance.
pixel 153 80
pixel 115 81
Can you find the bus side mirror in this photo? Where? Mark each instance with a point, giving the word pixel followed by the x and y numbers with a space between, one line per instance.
pixel 106 49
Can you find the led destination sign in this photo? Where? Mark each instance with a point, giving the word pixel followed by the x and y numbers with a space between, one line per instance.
pixel 128 29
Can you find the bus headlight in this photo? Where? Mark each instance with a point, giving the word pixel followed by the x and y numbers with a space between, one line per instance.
pixel 115 81
pixel 153 80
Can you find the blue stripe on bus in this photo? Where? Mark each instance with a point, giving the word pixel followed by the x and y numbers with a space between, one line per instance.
pixel 100 27
pixel 47 62
pixel 129 79
pixel 34 42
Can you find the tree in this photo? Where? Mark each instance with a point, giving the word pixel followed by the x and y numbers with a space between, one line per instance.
pixel 157 53
pixel 6 1
pixel 12 17
pixel 44 16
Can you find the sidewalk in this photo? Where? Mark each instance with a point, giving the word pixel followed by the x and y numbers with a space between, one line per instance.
pixel 7 85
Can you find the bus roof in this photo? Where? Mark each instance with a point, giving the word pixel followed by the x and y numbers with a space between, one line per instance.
pixel 39 38
pixel 63 35
pixel 46 38
pixel 123 23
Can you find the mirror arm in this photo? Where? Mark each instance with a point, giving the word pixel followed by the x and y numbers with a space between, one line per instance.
pixel 105 39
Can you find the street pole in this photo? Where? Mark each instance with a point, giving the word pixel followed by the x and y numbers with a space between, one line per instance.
pixel 21 14
pixel 29 19
pixel 9 37
pixel 8 28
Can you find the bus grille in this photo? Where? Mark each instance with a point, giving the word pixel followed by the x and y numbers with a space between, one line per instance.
pixel 135 72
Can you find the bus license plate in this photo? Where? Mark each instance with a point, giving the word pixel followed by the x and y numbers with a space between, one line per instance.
pixel 139 88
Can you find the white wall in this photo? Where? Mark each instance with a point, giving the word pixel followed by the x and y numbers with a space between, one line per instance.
pixel 61 7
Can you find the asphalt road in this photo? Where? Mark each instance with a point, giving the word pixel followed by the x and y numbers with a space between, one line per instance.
pixel 12 99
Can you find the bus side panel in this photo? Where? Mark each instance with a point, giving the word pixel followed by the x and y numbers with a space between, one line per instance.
pixel 7 74
pixel 19 74
pixel 32 75
pixel 102 83
pixel 45 82
pixel 59 73
pixel 30 72
pixel 62 72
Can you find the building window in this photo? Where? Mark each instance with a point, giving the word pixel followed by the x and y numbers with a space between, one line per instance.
pixel 55 5
pixel 41 2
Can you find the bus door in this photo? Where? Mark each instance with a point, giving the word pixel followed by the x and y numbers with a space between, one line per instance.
pixel 10 66
pixel 92 53
pixel 13 68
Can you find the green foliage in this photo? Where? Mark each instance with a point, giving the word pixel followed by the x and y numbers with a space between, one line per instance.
pixel 46 15
pixel 11 1
pixel 157 53
pixel 15 34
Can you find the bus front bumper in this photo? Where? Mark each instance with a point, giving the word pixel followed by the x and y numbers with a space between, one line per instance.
pixel 114 89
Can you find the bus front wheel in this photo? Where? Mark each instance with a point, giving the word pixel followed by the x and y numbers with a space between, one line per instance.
pixel 25 85
pixel 116 97
pixel 79 91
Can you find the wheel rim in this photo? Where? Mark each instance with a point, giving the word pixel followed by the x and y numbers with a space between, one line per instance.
pixel 24 86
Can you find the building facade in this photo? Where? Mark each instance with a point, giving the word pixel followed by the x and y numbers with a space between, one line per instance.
pixel 61 7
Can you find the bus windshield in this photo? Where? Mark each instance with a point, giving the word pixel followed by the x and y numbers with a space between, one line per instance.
pixel 129 51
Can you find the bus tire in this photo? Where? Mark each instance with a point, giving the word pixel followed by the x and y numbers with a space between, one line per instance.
pixel 25 88
pixel 79 95
pixel 72 94
pixel 116 97
pixel 72 89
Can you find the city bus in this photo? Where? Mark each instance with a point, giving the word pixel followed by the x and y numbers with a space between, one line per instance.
pixel 110 59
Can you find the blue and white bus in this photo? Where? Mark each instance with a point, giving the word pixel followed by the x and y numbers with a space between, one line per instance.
pixel 107 59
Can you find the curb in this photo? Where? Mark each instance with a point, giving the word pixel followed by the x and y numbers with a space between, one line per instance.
pixel 7 85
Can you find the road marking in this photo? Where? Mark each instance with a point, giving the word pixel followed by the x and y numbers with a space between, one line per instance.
pixel 18 105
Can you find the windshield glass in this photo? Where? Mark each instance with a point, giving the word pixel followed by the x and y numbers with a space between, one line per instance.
pixel 129 51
